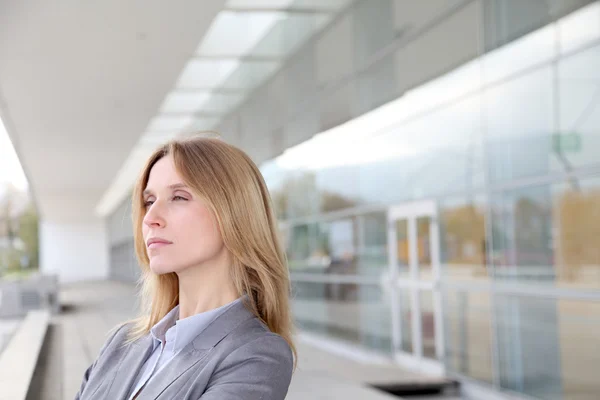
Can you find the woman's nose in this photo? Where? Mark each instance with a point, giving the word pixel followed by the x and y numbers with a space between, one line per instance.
pixel 154 216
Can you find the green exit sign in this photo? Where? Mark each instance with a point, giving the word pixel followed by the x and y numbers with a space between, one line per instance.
pixel 566 142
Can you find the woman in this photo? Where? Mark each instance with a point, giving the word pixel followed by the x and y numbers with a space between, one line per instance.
pixel 215 288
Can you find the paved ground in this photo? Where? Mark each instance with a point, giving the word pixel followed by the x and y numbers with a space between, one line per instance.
pixel 91 309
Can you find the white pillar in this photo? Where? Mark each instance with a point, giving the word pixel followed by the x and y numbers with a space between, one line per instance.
pixel 73 242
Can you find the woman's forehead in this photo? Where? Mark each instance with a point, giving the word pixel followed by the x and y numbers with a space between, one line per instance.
pixel 164 175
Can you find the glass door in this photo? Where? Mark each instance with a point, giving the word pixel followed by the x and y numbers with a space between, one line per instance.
pixel 414 258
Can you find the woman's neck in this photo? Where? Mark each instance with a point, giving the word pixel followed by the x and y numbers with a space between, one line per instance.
pixel 204 288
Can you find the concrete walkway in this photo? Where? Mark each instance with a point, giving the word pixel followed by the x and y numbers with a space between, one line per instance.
pixel 91 309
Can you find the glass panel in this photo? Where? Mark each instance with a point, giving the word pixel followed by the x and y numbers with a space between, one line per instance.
pixel 468 334
pixel 406 320
pixel 338 188
pixel 579 28
pixel 275 178
pixel 306 249
pixel 302 197
pixel 522 236
pixel 548 348
pixel 356 313
pixel 576 233
pixel 528 346
pixel 355 245
pixel 508 20
pixel 417 150
pixel 339 243
pixel 577 141
pixel 463 239
pixel 402 249
pixel 519 117
pixel 424 248
pixel 548 234
pixel 373 250
pixel 427 324
pixel 579 332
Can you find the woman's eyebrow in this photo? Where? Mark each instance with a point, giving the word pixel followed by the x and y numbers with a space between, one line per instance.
pixel 178 186
pixel 172 187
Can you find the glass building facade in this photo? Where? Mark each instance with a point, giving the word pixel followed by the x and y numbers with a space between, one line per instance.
pixel 435 167
pixel 448 215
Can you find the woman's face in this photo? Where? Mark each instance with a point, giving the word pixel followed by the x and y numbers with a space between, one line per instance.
pixel 179 230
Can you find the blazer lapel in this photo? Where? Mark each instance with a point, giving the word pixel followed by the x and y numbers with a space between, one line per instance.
pixel 196 351
pixel 183 361
pixel 222 326
pixel 133 360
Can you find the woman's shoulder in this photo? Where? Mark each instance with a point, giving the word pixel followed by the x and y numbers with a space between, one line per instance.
pixel 252 337
pixel 117 337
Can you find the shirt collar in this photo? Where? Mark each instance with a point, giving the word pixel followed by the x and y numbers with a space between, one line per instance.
pixel 182 332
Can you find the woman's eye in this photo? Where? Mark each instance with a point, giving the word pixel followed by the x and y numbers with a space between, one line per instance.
pixel 179 198
pixel 148 203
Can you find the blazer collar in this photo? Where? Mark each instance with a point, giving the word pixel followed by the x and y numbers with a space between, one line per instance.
pixel 191 354
pixel 223 325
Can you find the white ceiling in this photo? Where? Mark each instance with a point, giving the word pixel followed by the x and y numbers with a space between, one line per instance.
pixel 246 44
pixel 80 81
pixel 89 89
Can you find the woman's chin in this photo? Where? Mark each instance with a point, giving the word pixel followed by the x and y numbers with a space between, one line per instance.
pixel 160 269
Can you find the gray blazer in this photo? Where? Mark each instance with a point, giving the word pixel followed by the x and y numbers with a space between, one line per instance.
pixel 236 357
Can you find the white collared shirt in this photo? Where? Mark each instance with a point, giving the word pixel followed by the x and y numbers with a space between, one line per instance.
pixel 170 337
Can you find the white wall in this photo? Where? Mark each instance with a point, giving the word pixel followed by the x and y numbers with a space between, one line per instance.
pixel 76 251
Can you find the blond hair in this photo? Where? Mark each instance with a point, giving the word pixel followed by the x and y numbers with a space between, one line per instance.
pixel 232 185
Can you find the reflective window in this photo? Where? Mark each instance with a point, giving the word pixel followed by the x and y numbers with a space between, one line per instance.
pixel 402 247
pixel 488 138
pixel 412 157
pixel 355 313
pixel 424 250
pixel 406 323
pixel 428 332
pixel 547 347
pixel 577 139
pixel 548 234
pixel 356 245
pixel 468 334
pixel 372 250
pixel 519 122
pixel 579 330
pixel 302 196
pixel 576 233
pixel 307 249
pixel 463 239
